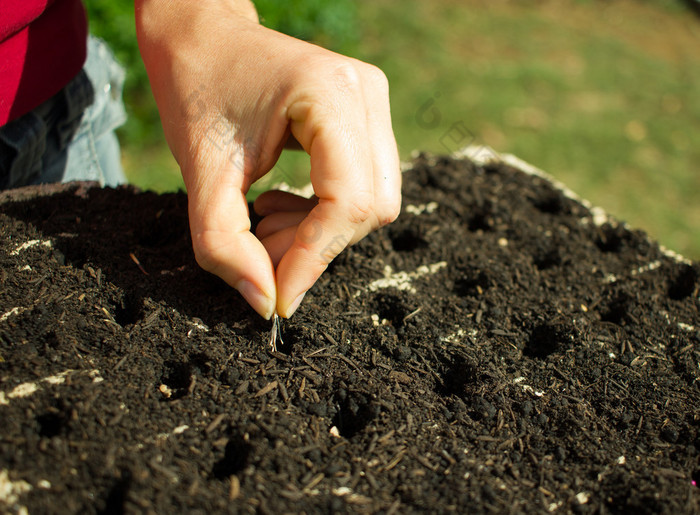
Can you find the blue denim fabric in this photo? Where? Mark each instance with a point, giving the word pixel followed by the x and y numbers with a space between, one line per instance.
pixel 71 136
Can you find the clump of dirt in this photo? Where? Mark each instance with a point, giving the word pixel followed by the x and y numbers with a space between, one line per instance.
pixel 493 350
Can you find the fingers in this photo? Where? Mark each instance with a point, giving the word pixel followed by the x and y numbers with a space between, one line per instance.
pixel 222 241
pixel 277 244
pixel 279 221
pixel 282 217
pixel 274 201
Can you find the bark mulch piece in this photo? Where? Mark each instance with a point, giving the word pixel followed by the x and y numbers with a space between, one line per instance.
pixel 501 347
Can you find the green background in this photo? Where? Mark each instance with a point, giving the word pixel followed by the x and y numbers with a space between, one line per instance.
pixel 602 95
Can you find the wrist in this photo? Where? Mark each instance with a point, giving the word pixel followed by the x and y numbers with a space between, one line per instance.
pixel 243 8
pixel 171 33
pixel 165 17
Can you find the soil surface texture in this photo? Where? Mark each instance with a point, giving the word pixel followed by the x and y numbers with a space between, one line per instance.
pixel 499 348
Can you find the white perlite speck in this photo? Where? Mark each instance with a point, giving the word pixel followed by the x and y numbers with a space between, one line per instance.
pixel 403 280
pixel 13 312
pixel 26 389
pixel 11 490
pixel 583 497
pixel 527 387
pixel 421 208
pixel 29 244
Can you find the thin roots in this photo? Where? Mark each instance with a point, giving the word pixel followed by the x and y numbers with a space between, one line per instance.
pixel 275 333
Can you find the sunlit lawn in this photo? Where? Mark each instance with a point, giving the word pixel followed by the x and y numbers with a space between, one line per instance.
pixel 603 95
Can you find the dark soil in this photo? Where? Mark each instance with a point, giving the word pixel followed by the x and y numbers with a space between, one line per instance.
pixel 540 362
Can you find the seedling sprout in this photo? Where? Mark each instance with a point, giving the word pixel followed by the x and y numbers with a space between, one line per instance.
pixel 275 333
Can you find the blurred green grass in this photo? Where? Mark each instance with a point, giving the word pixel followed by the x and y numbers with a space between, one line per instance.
pixel 602 95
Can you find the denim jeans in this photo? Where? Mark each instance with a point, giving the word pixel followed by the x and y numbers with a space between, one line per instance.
pixel 70 137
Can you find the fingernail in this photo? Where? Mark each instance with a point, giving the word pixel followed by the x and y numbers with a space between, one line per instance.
pixel 256 298
pixel 294 305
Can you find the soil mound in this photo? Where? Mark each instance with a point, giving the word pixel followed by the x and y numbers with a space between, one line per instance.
pixel 499 348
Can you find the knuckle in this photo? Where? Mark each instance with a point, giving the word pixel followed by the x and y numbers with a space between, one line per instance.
pixel 359 209
pixel 346 78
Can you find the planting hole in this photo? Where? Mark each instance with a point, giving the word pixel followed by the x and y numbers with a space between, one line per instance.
pixel 51 424
pixel 50 342
pixel 616 310
pixel 392 308
pixel 547 258
pixel 177 377
pixel 550 203
pixel 235 459
pixel 458 376
pixel 117 495
pixel 544 340
pixel 129 311
pixel 685 283
pixel 408 240
pixel 471 283
pixel 355 412
pixel 290 336
pixel 610 238
pixel 480 221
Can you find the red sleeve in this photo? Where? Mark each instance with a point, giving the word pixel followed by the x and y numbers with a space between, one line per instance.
pixel 43 45
pixel 17 14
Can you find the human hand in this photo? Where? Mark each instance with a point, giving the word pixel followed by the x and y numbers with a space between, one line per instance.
pixel 231 94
